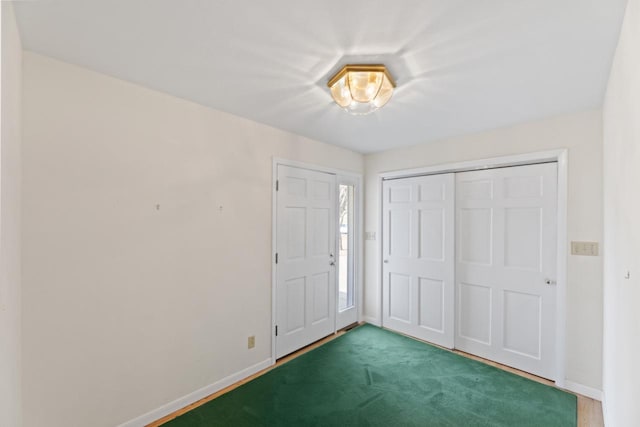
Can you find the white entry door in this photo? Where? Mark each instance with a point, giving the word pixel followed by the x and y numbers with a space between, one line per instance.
pixel 305 246
pixel 506 266
pixel 418 257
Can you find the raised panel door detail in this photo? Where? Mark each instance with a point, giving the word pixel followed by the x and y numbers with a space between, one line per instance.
pixel 296 299
pixel 296 232
pixel 475 238
pixel 400 232
pixel 431 295
pixel 400 297
pixel 319 230
pixel 321 297
pixel 518 187
pixel 432 234
pixel 522 238
pixel 320 190
pixel 432 191
pixel 400 194
pixel 475 312
pixel 522 317
pixel 475 190
pixel 296 187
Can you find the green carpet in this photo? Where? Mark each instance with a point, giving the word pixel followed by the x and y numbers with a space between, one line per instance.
pixel 373 377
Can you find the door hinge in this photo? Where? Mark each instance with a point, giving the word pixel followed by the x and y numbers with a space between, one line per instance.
pixel 277 184
pixel 276 257
pixel 276 330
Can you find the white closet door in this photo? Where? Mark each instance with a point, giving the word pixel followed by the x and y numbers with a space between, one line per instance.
pixel 305 270
pixel 506 266
pixel 418 257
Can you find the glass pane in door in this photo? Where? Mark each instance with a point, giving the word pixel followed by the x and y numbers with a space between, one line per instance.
pixel 345 247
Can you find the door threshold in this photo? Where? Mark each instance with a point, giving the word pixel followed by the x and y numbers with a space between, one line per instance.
pixel 316 344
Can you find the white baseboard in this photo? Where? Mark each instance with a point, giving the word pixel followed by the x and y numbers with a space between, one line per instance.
pixel 193 397
pixel 583 390
pixel 373 320
pixel 604 408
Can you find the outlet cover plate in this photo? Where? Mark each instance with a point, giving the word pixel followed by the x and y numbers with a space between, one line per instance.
pixel 584 248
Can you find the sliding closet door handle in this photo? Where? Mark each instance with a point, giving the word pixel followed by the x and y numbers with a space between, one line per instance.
pixel 386 261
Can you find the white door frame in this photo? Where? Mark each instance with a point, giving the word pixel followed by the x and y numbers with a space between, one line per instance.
pixel 560 156
pixel 358 260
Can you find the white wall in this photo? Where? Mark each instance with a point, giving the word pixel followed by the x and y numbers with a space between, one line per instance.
pixel 622 229
pixel 582 135
pixel 11 92
pixel 127 307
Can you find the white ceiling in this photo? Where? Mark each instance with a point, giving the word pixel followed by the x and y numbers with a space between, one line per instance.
pixel 461 65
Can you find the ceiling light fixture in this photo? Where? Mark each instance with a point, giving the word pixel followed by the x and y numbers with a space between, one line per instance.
pixel 361 89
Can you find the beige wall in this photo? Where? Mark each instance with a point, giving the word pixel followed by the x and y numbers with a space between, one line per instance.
pixel 582 135
pixel 11 92
pixel 127 307
pixel 622 228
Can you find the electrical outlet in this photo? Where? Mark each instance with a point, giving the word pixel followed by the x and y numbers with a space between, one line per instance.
pixel 251 342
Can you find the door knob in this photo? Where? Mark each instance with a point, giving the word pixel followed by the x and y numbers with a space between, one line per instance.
pixel 332 263
pixel 550 282
pixel 386 261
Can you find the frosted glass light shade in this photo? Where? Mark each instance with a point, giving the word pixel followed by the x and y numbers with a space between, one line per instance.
pixel 361 89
